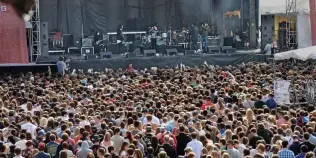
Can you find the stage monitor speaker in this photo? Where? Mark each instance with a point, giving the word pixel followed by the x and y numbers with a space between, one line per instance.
pixel 77 41
pixel 44 38
pixel 90 56
pixel 107 55
pixel 228 41
pixel 171 52
pixel 150 52
pixel 189 52
pixel 133 54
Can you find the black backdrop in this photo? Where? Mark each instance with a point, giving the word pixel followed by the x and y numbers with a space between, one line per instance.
pixel 68 16
pixel 105 15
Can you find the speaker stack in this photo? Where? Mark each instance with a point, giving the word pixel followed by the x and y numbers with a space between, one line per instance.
pixel 150 52
pixel 44 38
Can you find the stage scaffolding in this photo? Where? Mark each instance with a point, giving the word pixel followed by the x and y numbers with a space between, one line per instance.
pixel 290 22
pixel 34 34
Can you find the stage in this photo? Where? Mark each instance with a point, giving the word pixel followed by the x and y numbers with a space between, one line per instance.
pixel 120 61
pixel 160 61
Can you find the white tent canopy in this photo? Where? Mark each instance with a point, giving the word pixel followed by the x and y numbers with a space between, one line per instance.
pixel 300 54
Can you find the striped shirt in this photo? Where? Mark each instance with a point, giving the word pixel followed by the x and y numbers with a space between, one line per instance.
pixel 285 153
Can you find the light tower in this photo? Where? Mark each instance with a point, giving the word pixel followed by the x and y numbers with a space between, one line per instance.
pixel 34 34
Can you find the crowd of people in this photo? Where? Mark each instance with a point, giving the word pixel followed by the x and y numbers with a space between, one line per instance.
pixel 190 112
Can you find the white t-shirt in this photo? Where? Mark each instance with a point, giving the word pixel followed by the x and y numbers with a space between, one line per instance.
pixel 197 147
pixel 154 120
pixel 29 128
pixel 21 144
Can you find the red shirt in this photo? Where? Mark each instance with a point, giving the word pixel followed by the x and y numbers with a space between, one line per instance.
pixel 206 104
pixel 130 69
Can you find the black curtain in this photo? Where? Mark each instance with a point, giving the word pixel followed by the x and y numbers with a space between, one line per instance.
pixel 68 16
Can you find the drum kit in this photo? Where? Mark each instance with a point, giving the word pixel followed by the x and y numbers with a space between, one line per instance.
pixel 181 36
pixel 171 37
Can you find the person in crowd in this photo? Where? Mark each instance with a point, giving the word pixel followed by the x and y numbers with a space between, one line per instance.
pixel 303 151
pixel 182 139
pixel 232 152
pixel 41 153
pixel 17 152
pixel 117 139
pixel 271 102
pixel 169 149
pixel 61 66
pixel 196 145
pixel 285 152
pixel 84 150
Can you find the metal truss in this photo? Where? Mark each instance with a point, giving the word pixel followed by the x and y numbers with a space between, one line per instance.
pixel 290 22
pixel 34 34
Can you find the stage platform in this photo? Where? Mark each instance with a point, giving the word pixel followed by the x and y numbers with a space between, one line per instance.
pixel 117 62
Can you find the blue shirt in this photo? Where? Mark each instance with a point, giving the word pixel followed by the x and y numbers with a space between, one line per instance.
pixel 301 155
pixel 285 153
pixel 271 103
pixel 41 155
pixel 61 66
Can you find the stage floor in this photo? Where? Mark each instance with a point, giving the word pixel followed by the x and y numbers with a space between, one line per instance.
pixel 121 61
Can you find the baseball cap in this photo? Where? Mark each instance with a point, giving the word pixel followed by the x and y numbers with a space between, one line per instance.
pixel 41 145
pixel 41 132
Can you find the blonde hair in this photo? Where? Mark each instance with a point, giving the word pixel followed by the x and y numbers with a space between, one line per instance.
pixel 225 155
pixel 77 131
pixel 43 122
pixel 162 154
pixel 249 116
pixel 228 135
pixel 138 153
pixel 107 137
pixel 310 155
pixel 90 155
pixel 191 155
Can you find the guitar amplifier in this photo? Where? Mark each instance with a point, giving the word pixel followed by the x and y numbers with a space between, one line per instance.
pixel 87 42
